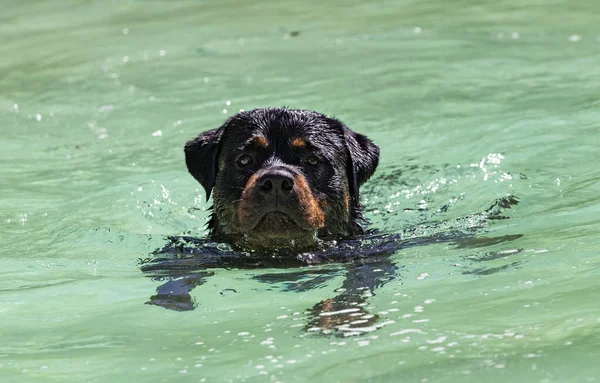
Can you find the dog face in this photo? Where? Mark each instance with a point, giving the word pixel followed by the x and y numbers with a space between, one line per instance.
pixel 280 176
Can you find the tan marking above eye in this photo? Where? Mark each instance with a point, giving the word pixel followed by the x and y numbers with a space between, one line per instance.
pixel 298 143
pixel 261 142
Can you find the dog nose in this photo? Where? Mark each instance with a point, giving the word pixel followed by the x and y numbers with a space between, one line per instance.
pixel 276 181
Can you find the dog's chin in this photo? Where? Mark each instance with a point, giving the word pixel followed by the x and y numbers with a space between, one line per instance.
pixel 276 230
pixel 277 225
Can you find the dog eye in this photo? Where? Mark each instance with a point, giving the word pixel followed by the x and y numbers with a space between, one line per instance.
pixel 244 160
pixel 312 161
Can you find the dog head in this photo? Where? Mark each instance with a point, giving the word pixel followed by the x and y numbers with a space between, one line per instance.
pixel 279 174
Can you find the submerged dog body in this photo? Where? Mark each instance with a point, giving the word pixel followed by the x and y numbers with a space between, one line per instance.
pixel 282 177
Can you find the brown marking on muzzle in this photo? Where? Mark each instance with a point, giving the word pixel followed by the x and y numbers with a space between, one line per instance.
pixel 313 212
pixel 244 210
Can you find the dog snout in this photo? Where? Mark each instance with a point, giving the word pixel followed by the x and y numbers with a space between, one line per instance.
pixel 276 180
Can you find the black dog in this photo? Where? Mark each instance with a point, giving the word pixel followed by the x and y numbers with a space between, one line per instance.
pixel 282 177
pixel 287 180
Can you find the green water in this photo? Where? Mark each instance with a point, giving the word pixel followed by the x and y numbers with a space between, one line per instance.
pixel 468 100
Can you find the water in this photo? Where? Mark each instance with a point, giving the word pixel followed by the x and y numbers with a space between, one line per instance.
pixel 469 102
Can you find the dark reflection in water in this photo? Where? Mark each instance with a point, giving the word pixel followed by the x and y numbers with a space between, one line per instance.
pixel 477 242
pixel 299 281
pixel 174 293
pixel 185 263
pixel 493 270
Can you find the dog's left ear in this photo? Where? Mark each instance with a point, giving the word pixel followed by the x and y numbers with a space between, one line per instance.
pixel 201 158
pixel 364 157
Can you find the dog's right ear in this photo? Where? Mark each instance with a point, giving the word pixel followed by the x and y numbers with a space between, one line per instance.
pixel 201 158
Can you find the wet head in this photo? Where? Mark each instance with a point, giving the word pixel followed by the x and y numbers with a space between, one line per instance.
pixel 282 177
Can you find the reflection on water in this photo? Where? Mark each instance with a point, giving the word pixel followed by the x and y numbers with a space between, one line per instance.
pixel 185 263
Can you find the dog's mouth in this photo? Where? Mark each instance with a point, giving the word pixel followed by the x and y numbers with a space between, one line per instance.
pixel 278 230
pixel 278 225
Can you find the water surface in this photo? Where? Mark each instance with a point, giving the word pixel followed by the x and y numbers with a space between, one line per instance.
pixel 469 102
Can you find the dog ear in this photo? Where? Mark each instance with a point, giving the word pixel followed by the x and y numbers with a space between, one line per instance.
pixel 363 160
pixel 201 158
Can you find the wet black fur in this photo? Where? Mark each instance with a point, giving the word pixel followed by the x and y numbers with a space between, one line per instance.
pixel 348 159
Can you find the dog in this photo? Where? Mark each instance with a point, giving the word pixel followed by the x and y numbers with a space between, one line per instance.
pixel 283 182
pixel 282 178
